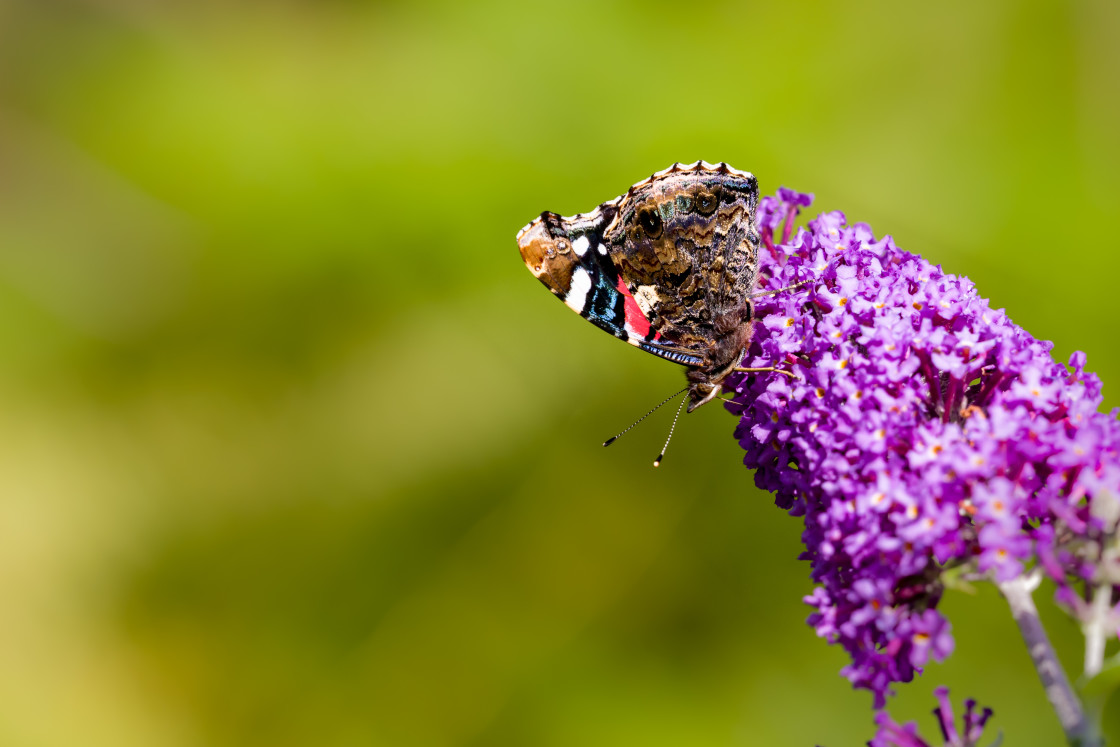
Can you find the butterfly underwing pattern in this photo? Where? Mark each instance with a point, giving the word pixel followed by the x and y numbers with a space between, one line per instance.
pixel 670 267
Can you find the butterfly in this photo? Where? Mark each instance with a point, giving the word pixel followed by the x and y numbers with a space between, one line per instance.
pixel 670 267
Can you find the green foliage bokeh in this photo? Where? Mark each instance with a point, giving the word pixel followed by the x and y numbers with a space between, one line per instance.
pixel 293 449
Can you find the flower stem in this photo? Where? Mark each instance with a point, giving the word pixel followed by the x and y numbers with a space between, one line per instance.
pixel 1095 631
pixel 1079 731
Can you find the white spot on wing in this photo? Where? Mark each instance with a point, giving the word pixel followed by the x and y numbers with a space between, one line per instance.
pixel 581 245
pixel 577 293
pixel 603 249
pixel 526 227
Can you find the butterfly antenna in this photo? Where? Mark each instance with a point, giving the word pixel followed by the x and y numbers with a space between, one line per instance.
pixel 665 401
pixel 657 461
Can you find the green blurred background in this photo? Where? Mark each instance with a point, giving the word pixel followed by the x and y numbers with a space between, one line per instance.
pixel 294 451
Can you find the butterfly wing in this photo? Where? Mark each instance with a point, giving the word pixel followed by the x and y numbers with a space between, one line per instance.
pixel 684 243
pixel 571 257
pixel 669 266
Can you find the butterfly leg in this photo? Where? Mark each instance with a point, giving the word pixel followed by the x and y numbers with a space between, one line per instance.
pixel 763 294
pixel 766 368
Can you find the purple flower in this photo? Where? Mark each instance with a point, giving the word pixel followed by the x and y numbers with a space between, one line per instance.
pixel 891 734
pixel 923 431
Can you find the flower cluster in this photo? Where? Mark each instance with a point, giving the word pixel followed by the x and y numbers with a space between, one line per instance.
pixel 891 734
pixel 923 431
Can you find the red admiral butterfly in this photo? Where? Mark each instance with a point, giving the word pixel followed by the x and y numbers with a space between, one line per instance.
pixel 670 267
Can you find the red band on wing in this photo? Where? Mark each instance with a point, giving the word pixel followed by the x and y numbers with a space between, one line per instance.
pixel 636 321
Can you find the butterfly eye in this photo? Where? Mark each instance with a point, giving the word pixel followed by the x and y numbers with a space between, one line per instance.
pixel 706 202
pixel 650 222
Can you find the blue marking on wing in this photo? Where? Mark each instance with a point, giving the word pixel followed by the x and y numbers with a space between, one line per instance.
pixel 672 355
pixel 604 307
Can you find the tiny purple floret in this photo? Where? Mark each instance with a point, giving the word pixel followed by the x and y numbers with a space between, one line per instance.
pixel 892 734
